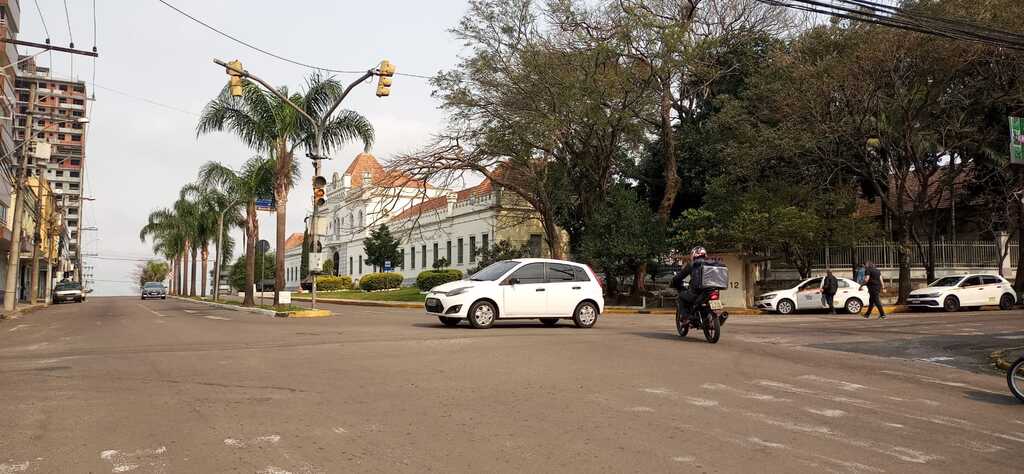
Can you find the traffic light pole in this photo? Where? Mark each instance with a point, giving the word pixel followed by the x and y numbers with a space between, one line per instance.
pixel 14 258
pixel 314 147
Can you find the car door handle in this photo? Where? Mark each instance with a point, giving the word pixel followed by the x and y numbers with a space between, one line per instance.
pixel 576 287
pixel 540 289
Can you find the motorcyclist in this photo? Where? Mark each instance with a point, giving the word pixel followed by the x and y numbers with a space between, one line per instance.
pixel 689 297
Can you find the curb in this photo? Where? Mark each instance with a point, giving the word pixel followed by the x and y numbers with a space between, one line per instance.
pixel 261 311
pixel 386 304
pixel 313 313
pixel 17 313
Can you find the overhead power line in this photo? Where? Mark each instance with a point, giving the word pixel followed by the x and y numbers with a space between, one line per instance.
pixel 906 19
pixel 67 17
pixel 274 55
pixel 147 100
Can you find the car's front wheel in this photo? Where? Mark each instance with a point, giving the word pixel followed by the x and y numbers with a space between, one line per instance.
pixel 585 315
pixel 1006 302
pixel 482 315
pixel 854 305
pixel 785 307
pixel 951 304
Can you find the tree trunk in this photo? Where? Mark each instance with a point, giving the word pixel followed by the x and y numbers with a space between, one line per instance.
pixel 903 250
pixel 181 277
pixel 1018 279
pixel 192 275
pixel 669 149
pixel 184 274
pixel 553 237
pixel 929 268
pixel 250 253
pixel 281 196
pixel 204 276
pixel 639 279
pixel 170 276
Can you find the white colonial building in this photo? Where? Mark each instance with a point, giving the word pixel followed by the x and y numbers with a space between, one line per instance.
pixel 293 262
pixel 431 223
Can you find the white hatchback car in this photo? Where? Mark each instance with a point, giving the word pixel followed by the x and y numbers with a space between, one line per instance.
pixel 964 291
pixel 807 296
pixel 525 288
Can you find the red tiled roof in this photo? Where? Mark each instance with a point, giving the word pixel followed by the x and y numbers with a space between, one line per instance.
pixel 943 201
pixel 293 241
pixel 366 163
pixel 441 202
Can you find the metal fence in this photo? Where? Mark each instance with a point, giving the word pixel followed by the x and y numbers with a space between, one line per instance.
pixel 948 254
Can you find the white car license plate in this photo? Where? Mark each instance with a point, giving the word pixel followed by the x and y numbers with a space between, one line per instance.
pixel 716 305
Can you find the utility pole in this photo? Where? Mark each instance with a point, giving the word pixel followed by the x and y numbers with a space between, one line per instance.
pixel 14 260
pixel 53 226
pixel 37 237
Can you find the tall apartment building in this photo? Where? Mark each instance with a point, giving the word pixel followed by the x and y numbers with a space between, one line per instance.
pixel 59 104
pixel 10 13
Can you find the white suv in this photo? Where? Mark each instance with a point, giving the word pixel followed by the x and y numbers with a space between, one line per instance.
pixel 525 288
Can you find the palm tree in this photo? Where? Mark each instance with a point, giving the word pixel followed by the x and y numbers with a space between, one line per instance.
pixel 253 180
pixel 268 124
pixel 164 228
pixel 217 208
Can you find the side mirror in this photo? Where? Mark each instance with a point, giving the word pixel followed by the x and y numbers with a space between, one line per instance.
pixel 88 290
pixel 513 281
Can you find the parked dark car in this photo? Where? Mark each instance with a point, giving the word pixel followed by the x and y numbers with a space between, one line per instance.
pixel 154 289
pixel 68 291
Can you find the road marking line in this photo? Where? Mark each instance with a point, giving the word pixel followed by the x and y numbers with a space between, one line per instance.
pixel 217 318
pixel 850 387
pixel 14 467
pixel 20 326
pixel 190 311
pixel 744 394
pixel 152 311
pixel 684 459
pixel 767 444
pixel 827 412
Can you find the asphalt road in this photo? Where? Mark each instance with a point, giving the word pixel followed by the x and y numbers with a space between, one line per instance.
pixel 120 385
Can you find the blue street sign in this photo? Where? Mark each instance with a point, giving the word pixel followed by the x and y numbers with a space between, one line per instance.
pixel 264 204
pixel 387 265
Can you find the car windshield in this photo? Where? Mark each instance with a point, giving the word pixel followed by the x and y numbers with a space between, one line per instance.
pixel 154 285
pixel 494 271
pixel 947 281
pixel 67 286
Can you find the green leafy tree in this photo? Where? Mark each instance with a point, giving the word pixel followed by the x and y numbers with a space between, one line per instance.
pixel 328 267
pixel 501 250
pixel 238 277
pixel 268 124
pixel 441 263
pixel 624 234
pixel 304 262
pixel 381 247
pixel 152 270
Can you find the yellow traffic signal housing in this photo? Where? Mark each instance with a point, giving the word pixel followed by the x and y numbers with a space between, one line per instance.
pixel 385 71
pixel 235 77
pixel 318 191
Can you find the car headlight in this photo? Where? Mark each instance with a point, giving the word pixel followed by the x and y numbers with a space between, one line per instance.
pixel 768 297
pixel 458 291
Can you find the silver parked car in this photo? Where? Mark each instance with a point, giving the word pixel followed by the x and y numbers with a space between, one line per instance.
pixel 154 289
pixel 68 291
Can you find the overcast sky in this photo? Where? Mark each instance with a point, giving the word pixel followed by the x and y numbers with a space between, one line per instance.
pixel 139 154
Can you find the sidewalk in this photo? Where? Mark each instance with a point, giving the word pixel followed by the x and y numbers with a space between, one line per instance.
pixel 22 309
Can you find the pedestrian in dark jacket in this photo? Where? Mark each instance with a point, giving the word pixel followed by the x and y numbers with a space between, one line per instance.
pixel 873 280
pixel 829 287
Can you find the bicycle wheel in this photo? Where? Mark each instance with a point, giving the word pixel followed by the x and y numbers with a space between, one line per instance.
pixel 1015 379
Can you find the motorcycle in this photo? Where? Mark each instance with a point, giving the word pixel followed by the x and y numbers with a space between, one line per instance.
pixel 1015 378
pixel 710 316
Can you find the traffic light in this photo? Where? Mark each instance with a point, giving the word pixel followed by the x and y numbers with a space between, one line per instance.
pixel 318 191
pixel 386 72
pixel 235 79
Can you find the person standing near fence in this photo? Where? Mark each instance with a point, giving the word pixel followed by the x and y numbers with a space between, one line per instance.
pixel 873 280
pixel 858 274
pixel 829 287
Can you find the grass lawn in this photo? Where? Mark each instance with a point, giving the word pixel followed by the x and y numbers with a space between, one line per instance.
pixel 401 294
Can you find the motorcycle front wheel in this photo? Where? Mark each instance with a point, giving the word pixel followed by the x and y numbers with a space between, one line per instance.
pixel 712 328
pixel 682 327
pixel 1015 379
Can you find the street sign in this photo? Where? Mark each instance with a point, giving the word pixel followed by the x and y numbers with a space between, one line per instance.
pixel 1017 140
pixel 265 204
pixel 316 262
pixel 262 246
pixel 387 265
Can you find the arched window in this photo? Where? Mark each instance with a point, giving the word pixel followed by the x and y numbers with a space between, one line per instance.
pixel 351 221
pixel 360 219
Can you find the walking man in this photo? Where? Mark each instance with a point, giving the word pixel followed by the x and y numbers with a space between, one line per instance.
pixel 829 287
pixel 873 280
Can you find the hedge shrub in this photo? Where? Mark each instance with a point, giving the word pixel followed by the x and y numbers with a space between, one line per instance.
pixel 333 283
pixel 380 281
pixel 431 278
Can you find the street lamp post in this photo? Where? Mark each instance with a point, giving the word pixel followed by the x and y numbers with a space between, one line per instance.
pixel 220 239
pixel 235 70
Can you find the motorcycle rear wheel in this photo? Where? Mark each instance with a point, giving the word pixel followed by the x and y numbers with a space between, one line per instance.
pixel 712 328
pixel 1015 379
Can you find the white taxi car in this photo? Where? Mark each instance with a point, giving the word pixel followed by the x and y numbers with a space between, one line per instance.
pixel 807 296
pixel 525 288
pixel 964 291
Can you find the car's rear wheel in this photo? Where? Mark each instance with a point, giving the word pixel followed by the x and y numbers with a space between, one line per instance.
pixel 449 322
pixel 585 315
pixel 1006 302
pixel 549 322
pixel 951 304
pixel 482 315
pixel 785 307
pixel 854 305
